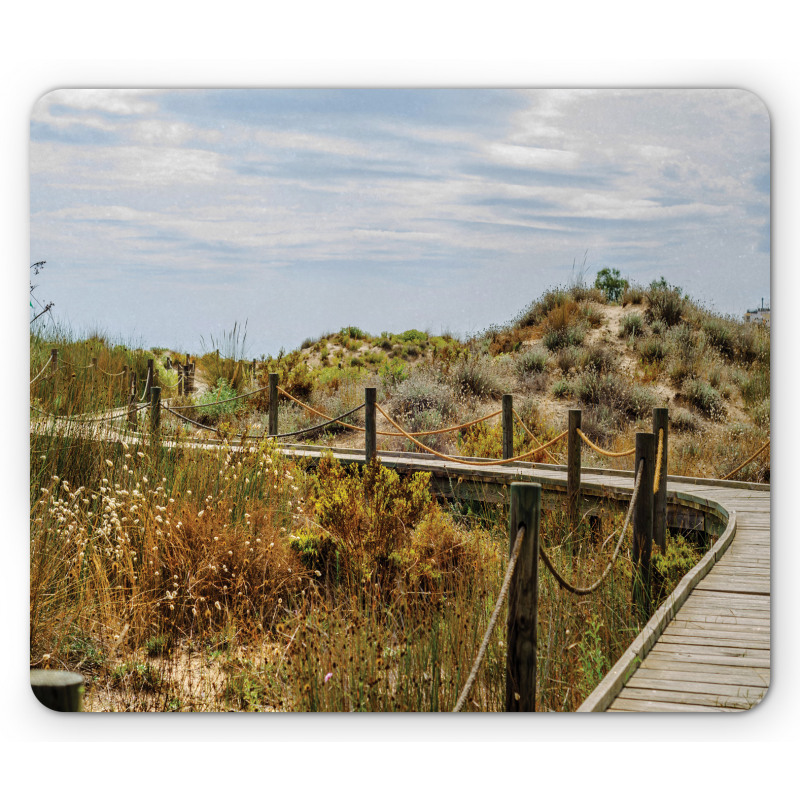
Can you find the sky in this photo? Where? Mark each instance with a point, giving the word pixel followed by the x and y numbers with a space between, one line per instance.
pixel 167 216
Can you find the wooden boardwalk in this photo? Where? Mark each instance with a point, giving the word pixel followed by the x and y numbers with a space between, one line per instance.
pixel 715 654
pixel 708 647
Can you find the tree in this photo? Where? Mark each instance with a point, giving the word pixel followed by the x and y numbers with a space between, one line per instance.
pixel 611 283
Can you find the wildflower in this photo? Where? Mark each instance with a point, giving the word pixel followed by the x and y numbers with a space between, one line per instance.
pixel 109 462
pixel 217 605
pixel 328 677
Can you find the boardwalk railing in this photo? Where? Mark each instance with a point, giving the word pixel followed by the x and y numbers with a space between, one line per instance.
pixel 646 510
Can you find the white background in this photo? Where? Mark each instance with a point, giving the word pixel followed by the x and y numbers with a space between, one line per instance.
pixel 496 44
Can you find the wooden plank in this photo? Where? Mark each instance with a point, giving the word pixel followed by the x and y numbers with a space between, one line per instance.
pixel 693 698
pixel 718 641
pixel 621 704
pixel 687 626
pixel 673 669
pixel 711 656
pixel 722 619
pixel 749 693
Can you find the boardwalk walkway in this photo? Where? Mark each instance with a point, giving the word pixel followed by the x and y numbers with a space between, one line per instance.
pixel 708 647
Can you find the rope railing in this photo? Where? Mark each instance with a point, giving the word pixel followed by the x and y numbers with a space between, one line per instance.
pixel 271 435
pixel 533 438
pixel 512 563
pixel 221 402
pixel 659 455
pixel 44 369
pixel 563 582
pixel 111 374
pixel 393 433
pixel 598 449
pixel 463 461
pixel 745 463
pixel 82 419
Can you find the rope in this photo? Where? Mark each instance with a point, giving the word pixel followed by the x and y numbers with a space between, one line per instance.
pixel 44 369
pixel 88 419
pixel 610 453
pixel 391 433
pixel 269 436
pixel 589 589
pixel 744 464
pixel 220 402
pixel 461 460
pixel 512 562
pixel 111 374
pixel 535 440
pixel 192 421
pixel 659 454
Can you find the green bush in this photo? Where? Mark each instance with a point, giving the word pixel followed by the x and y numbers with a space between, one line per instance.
pixel 611 283
pixel 668 568
pixel 208 413
pixel 414 335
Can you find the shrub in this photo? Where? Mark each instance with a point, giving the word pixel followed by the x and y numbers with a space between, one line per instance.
pixel 207 413
pixel 670 566
pixel 392 372
pixel 568 337
pixel 616 392
pixel 652 349
pixel 476 377
pixel 631 325
pixel 633 295
pixel 561 388
pixel 665 303
pixel 680 419
pixel 421 392
pixel 567 359
pixel 720 335
pixel 351 332
pixel 486 441
pixel 594 316
pixel 530 362
pixel 413 335
pixel 704 397
pixel 373 527
pixel 597 358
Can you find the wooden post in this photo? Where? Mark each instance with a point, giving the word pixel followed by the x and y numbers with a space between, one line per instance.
pixel 149 380
pixel 660 423
pixel 155 408
pixel 370 433
pixel 508 426
pixel 57 689
pixel 54 361
pixel 273 404
pixel 573 466
pixel 169 363
pixel 526 510
pixel 643 525
pixel 132 398
pixel 253 371
pixel 126 386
